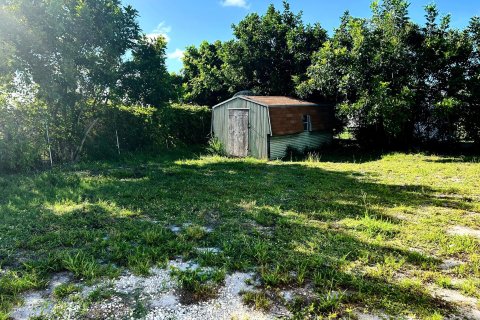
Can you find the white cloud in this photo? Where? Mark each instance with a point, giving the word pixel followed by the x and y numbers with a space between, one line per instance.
pixel 161 30
pixel 177 54
pixel 235 3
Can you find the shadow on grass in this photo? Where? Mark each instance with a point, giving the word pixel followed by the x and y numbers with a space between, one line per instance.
pixel 278 219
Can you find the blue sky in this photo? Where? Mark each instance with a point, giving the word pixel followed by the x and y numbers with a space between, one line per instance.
pixel 189 22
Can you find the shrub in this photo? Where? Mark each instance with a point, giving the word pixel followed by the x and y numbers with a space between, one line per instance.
pixel 216 147
pixel 182 124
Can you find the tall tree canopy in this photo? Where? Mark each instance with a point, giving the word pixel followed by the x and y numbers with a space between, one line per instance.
pixel 70 53
pixel 145 78
pixel 393 81
pixel 204 79
pixel 269 53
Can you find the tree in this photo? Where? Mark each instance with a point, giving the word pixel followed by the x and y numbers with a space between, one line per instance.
pixel 204 79
pixel 366 69
pixel 271 51
pixel 71 52
pixel 443 63
pixel 145 79
pixel 471 112
pixel 269 54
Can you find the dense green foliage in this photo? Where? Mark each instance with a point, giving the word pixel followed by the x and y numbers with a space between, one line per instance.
pixel 268 54
pixel 79 79
pixel 82 72
pixel 68 54
pixel 394 82
pixel 350 233
pixel 398 83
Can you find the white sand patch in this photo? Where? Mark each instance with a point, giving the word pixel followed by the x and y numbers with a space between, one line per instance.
pixel 228 304
pixel 34 305
pixel 468 306
pixel 371 316
pixel 59 279
pixel 39 303
pixel 158 292
pixel 464 231
pixel 449 264
pixel 181 265
pixel 454 296
pixel 175 229
pixel 209 250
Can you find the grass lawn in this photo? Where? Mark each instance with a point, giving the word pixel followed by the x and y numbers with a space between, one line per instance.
pixel 367 234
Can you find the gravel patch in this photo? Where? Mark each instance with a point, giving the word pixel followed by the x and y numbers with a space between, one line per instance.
pixel 449 264
pixel 34 305
pixel 39 303
pixel 467 305
pixel 464 231
pixel 370 316
pixel 227 305
pixel 209 250
pixel 158 293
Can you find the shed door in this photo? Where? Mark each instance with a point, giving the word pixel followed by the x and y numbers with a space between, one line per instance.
pixel 238 132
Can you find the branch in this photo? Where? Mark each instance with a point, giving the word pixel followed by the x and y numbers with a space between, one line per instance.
pixel 85 135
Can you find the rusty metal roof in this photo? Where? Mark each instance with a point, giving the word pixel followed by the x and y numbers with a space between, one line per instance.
pixel 272 101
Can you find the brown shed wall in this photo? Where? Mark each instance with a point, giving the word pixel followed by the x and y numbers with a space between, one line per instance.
pixel 288 119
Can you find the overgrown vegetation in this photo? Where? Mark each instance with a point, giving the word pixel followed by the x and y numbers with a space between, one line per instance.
pixel 67 91
pixel 354 231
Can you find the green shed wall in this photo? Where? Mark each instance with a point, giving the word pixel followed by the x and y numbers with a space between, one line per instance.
pixel 259 125
pixel 299 141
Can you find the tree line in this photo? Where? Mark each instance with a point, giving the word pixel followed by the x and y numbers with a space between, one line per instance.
pixel 79 78
pixel 393 82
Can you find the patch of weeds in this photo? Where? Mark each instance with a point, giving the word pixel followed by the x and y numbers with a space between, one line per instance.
pixel 64 290
pixel 197 284
pixel 12 284
pixel 265 216
pixel 472 267
pixel 459 245
pixel 443 281
pixel 156 235
pixel 326 277
pixel 329 302
pixel 327 305
pixel 100 294
pixel 86 267
pixel 194 232
pixel 435 316
pixel 140 310
pixel 301 274
pixel 139 263
pixel 257 299
pixel 412 285
pixel 387 268
pixel 212 259
pixel 471 288
pixel 275 276
pixel 379 228
pixel 261 252
pixel 51 264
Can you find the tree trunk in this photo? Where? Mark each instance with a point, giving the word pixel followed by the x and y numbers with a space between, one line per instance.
pixel 77 153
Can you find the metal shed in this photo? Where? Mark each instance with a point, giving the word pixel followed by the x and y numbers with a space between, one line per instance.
pixel 264 126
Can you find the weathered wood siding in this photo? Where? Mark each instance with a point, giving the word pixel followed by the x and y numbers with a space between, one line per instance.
pixel 238 132
pixel 299 141
pixel 259 126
